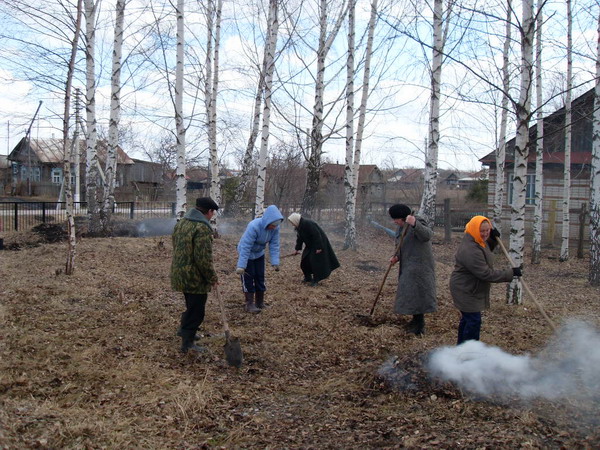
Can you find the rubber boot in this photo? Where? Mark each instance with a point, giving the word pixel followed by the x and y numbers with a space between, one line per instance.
pixel 250 303
pixel 187 344
pixel 260 299
pixel 411 326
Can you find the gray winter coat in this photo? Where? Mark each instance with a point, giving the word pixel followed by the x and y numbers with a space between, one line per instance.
pixel 472 275
pixel 416 278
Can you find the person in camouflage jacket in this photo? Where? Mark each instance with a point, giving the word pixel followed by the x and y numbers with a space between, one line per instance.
pixel 192 270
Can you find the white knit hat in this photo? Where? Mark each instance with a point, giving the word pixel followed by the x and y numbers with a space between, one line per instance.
pixel 294 218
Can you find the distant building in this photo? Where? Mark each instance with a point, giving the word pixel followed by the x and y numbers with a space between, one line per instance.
pixel 36 169
pixel 553 168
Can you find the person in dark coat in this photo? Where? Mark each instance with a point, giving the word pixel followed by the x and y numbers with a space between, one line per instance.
pixel 318 258
pixel 473 274
pixel 416 292
pixel 192 270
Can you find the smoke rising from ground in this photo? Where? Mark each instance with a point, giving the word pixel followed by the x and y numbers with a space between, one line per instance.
pixel 567 369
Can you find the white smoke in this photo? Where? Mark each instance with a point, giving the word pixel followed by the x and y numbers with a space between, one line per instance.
pixel 567 368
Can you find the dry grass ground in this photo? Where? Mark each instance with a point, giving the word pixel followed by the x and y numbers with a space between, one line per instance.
pixel 91 360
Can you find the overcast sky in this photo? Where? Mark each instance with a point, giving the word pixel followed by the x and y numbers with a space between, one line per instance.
pixel 395 135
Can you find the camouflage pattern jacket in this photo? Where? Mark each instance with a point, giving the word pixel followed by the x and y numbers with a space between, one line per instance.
pixel 192 268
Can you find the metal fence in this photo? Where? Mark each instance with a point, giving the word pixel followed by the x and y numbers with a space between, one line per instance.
pixel 21 216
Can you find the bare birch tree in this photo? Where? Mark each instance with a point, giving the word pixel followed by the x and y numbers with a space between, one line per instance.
pixel 211 93
pixel 594 272
pixel 500 184
pixel 91 138
pixel 180 181
pixel 538 215
pixel 314 163
pixel 67 150
pixel 350 175
pixel 427 208
pixel 271 47
pixel 566 203
pixel 523 106
pixel 115 117
pixel 353 155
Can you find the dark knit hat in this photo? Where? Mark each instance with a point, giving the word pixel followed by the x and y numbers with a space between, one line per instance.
pixel 206 203
pixel 399 211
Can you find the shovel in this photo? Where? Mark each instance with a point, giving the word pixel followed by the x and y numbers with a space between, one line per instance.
pixel 533 297
pixel 233 349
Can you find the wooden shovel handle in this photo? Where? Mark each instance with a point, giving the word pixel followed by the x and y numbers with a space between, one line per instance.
pixel 398 247
pixel 533 297
pixel 222 307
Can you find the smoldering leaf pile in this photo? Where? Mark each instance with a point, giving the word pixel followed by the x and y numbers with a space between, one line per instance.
pixel 568 368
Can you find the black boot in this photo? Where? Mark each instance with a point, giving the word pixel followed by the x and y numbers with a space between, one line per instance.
pixel 307 278
pixel 260 299
pixel 180 334
pixel 250 303
pixel 419 328
pixel 410 326
pixel 187 343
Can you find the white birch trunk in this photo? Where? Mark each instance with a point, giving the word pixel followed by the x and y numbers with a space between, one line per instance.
pixel 76 153
pixel 67 150
pixel 91 162
pixel 110 168
pixel 316 135
pixel 500 185
pixel 349 174
pixel 538 214
pixel 517 236
pixel 271 47
pixel 363 112
pixel 180 183
pixel 594 273
pixel 215 181
pixel 566 203
pixel 427 208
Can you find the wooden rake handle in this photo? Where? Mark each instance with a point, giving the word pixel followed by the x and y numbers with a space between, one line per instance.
pixel 398 247
pixel 533 297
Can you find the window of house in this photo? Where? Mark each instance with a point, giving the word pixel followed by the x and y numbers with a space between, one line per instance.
pixel 56 175
pixel 36 174
pixel 529 190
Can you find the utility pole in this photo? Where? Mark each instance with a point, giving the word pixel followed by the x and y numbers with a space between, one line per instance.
pixel 28 144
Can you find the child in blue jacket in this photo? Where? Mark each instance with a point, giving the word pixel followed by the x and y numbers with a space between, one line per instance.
pixel 251 261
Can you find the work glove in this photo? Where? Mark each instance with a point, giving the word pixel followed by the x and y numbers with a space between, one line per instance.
pixel 240 270
pixel 276 268
pixel 495 233
pixel 517 272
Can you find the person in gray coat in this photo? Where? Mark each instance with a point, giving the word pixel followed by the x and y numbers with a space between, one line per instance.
pixel 473 274
pixel 416 292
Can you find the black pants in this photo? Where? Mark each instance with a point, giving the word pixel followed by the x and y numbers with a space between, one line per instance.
pixel 194 313
pixel 469 327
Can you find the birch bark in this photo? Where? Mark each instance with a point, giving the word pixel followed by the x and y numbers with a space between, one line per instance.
pixel 538 214
pixel 180 182
pixel 67 150
pixel 316 134
pixel 523 106
pixel 566 203
pixel 427 208
pixel 115 116
pixel 594 273
pixel 501 150
pixel 350 175
pixel 91 161
pixel 215 181
pixel 271 47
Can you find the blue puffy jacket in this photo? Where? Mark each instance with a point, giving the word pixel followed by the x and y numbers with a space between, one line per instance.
pixel 254 240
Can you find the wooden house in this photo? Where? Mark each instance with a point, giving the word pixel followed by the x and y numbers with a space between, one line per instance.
pixel 37 170
pixel 553 171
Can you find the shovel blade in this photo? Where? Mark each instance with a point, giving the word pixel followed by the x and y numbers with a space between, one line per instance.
pixel 233 352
